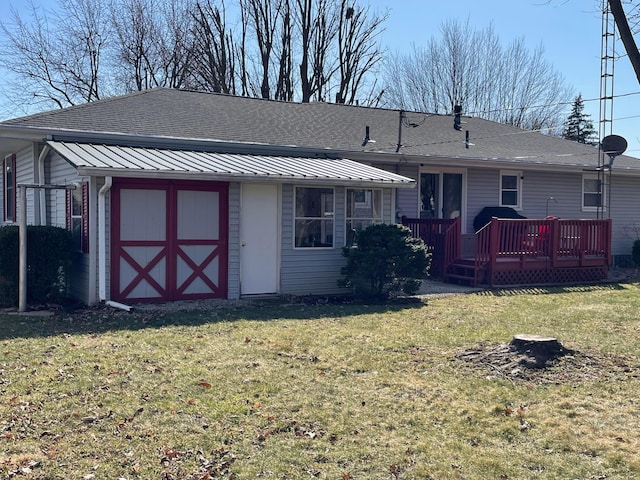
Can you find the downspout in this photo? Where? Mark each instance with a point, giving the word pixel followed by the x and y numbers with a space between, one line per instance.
pixel 41 191
pixel 102 238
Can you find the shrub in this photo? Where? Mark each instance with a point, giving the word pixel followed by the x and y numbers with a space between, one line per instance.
pixel 635 253
pixel 384 261
pixel 49 256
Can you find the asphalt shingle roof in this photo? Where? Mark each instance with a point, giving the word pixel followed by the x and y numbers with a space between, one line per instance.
pixel 207 116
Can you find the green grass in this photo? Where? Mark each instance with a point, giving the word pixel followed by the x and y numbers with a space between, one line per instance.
pixel 337 391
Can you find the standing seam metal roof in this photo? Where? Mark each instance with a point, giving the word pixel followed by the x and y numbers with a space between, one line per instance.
pixel 90 157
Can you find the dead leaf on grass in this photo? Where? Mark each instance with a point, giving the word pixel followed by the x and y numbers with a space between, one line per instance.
pixel 204 384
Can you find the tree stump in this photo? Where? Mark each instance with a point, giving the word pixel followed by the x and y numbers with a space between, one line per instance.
pixel 538 349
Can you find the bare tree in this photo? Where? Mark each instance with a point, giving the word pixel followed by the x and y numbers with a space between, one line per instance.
pixel 214 60
pixel 176 44
pixel 153 43
pixel 358 50
pixel 58 63
pixel 317 25
pixel 284 81
pixel 508 84
pixel 136 33
pixel 92 47
pixel 626 35
pixel 263 17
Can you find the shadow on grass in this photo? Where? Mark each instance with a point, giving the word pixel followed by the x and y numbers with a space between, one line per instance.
pixel 104 319
pixel 510 292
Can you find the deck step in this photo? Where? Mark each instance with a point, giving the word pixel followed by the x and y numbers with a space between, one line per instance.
pixel 463 271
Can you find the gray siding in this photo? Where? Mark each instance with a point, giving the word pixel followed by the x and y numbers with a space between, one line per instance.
pixel 25 174
pixel 316 271
pixel 58 171
pixel 407 198
pixel 310 271
pixel 234 241
pixel 482 191
pixel 625 198
pixel 566 190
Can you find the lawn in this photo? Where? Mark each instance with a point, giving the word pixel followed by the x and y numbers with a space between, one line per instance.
pixel 286 389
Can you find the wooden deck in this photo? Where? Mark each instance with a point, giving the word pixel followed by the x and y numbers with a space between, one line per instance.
pixel 519 252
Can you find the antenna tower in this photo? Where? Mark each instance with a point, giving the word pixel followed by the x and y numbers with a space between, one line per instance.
pixel 607 64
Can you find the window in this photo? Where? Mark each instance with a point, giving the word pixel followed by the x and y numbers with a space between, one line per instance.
pixel 9 188
pixel 592 193
pixel 314 209
pixel 511 189
pixel 364 208
pixel 78 216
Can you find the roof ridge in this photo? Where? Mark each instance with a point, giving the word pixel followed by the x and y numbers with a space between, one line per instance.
pixel 299 103
pixel 80 106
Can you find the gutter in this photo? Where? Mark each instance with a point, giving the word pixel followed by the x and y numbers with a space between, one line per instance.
pixel 239 177
pixel 102 238
pixel 41 193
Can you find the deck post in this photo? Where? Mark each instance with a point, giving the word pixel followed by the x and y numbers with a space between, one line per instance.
pixel 494 245
pixel 555 241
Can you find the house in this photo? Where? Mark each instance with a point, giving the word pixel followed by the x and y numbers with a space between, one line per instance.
pixel 186 195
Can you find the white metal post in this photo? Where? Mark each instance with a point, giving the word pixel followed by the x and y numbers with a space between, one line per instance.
pixel 22 232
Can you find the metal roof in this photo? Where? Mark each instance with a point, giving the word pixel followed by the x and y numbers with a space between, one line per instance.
pixel 109 160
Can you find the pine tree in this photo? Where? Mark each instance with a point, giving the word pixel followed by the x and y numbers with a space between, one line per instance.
pixel 578 126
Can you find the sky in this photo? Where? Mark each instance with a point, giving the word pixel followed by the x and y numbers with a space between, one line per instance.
pixel 570 32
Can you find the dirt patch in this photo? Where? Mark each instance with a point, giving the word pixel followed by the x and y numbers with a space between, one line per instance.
pixel 506 361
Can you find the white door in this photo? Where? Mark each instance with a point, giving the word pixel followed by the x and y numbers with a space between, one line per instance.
pixel 259 239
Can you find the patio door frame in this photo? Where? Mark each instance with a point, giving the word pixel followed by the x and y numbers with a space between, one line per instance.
pixel 440 172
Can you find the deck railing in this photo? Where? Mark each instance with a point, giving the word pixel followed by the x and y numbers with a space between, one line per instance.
pixel 521 251
pixel 558 243
pixel 442 238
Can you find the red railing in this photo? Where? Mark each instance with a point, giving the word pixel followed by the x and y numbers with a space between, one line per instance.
pixel 559 243
pixel 442 238
pixel 506 249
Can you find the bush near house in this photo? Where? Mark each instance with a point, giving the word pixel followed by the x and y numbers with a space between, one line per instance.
pixel 384 261
pixel 635 253
pixel 49 256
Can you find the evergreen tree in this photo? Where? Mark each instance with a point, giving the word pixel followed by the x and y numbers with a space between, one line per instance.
pixel 578 126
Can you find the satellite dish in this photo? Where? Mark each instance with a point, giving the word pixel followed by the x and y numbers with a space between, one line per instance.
pixel 613 145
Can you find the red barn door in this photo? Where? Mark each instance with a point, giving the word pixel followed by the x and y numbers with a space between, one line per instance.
pixel 168 240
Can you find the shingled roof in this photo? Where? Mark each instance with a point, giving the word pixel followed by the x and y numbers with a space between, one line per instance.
pixel 179 114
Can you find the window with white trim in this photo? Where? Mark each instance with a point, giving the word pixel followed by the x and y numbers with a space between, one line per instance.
pixel 593 193
pixel 9 188
pixel 511 189
pixel 77 213
pixel 364 208
pixel 313 217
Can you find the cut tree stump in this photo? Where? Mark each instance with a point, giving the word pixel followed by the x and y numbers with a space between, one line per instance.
pixel 538 348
